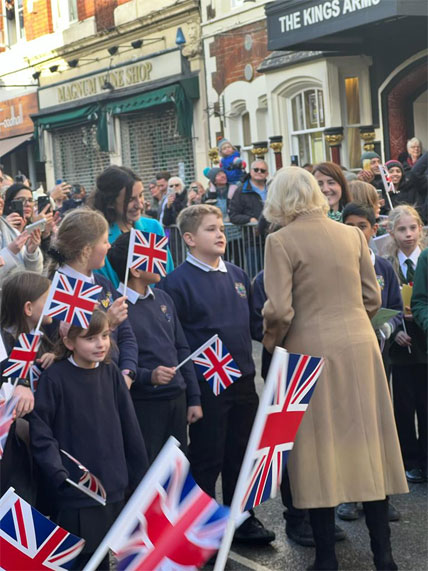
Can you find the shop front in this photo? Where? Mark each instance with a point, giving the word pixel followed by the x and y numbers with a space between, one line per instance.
pixel 137 114
pixel 376 52
pixel 16 136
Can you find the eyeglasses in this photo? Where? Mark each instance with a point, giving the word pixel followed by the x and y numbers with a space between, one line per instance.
pixel 24 200
pixel 178 184
pixel 263 171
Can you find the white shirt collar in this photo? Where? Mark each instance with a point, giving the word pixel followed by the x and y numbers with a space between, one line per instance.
pixel 413 256
pixel 73 362
pixel 206 267
pixel 72 273
pixel 372 256
pixel 132 295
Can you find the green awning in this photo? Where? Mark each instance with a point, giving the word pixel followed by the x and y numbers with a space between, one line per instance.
pixel 88 113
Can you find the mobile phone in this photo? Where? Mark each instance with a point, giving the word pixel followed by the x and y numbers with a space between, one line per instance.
pixel 76 189
pixel 18 207
pixel 39 224
pixel 294 160
pixel 194 188
pixel 58 181
pixel 366 165
pixel 42 201
pixel 170 191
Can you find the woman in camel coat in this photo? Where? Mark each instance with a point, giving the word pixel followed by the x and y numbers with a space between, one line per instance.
pixel 322 289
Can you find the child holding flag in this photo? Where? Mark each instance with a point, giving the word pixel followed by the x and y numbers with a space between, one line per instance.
pixel 83 407
pixel 163 397
pixel 408 351
pixel 212 296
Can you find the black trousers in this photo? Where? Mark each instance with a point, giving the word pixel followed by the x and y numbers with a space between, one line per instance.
pixel 409 384
pixel 218 441
pixel 160 419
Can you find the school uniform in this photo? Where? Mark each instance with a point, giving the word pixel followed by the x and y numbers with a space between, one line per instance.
pixel 89 414
pixel 409 381
pixel 209 301
pixel 161 410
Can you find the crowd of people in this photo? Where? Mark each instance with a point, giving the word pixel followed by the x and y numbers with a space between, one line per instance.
pixel 110 394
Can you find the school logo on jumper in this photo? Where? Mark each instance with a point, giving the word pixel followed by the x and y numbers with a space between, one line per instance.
pixel 29 540
pixel 72 300
pixel 23 355
pixel 107 301
pixel 380 281
pixel 240 289
pixel 217 366
pixel 147 252
pixel 295 383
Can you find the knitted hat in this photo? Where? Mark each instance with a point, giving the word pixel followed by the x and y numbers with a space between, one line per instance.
pixel 369 155
pixel 221 143
pixel 212 173
pixel 397 164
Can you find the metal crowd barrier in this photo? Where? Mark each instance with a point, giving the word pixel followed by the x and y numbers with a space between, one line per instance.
pixel 245 248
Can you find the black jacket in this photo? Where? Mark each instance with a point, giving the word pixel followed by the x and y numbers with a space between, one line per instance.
pixel 245 204
pixel 171 212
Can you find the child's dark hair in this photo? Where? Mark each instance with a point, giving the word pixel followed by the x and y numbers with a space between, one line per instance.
pixel 18 288
pixel 359 209
pixel 99 322
pixel 118 255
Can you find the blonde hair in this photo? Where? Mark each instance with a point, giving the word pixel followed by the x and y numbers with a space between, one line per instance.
pixel 190 218
pixel 81 227
pixel 393 219
pixel 364 192
pixel 293 191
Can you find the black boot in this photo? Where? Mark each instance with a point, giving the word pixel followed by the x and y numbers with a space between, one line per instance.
pixel 322 522
pixel 378 525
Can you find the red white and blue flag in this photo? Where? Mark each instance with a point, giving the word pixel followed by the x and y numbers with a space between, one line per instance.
pixel 23 355
pixel 88 483
pixel 72 300
pixel 29 540
pixel 35 373
pixel 147 252
pixel 169 523
pixel 7 409
pixel 217 366
pixel 291 394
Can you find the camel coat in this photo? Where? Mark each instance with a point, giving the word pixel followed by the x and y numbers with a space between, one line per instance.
pixel 320 284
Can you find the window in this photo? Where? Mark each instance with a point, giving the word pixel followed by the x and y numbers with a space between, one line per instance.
pixel 64 13
pixel 308 122
pixel 352 131
pixel 236 3
pixel 14 10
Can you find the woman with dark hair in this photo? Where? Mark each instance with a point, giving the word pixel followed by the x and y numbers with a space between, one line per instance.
pixel 321 291
pixel 119 196
pixel 334 186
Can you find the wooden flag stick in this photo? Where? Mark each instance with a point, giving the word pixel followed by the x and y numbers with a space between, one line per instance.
pixel 201 348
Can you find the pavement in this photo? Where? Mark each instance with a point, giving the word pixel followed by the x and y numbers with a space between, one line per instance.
pixel 409 535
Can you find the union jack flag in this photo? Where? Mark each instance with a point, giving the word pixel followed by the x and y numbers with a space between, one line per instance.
pixel 29 540
pixel 72 300
pixel 217 366
pixel 88 483
pixel 289 399
pixel 7 408
pixel 147 252
pixel 180 526
pixel 35 373
pixel 386 179
pixel 23 355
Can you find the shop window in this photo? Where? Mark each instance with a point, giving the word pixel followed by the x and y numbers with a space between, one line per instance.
pixel 308 122
pixel 64 13
pixel 352 131
pixel 14 10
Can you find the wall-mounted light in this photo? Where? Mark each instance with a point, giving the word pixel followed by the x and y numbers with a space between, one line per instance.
pixel 53 68
pixel 137 44
pixel 112 50
pixel 36 75
pixel 73 63
pixel 180 40
pixel 107 85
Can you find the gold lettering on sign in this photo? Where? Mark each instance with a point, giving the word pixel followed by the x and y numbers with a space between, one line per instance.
pixel 118 78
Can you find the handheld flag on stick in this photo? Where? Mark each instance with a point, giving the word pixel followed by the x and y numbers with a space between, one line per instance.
pixel 148 252
pixel 23 355
pixel 88 483
pixel 7 409
pixel 288 389
pixel 29 540
pixel 387 183
pixel 72 300
pixel 169 522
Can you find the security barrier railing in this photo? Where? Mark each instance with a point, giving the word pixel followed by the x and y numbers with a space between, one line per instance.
pixel 245 247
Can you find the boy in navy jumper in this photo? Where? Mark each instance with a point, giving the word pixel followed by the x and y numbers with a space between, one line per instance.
pixel 165 400
pixel 211 297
